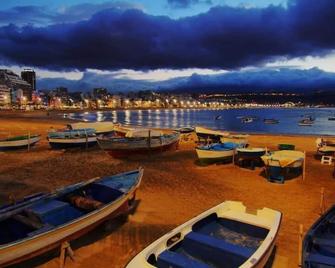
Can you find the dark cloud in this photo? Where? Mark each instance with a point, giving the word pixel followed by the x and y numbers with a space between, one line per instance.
pixel 237 81
pixel 186 3
pixel 224 37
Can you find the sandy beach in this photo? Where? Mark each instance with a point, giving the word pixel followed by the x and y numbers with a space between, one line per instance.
pixel 174 189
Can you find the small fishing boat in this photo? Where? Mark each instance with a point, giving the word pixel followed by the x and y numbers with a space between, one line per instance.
pixel 133 145
pixel 18 142
pixel 319 242
pixel 216 152
pixel 279 163
pixel 223 236
pixel 218 117
pixel 247 119
pixel 185 130
pixel 250 152
pixel 306 122
pixel 101 127
pixel 270 121
pixel 63 139
pixel 205 134
pixel 240 139
pixel 42 222
pixel 331 118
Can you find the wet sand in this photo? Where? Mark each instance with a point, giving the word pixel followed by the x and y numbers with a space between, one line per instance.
pixel 174 189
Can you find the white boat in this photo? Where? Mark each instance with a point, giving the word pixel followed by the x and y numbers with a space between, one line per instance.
pixel 224 236
pixel 284 158
pixel 206 133
pixel 216 152
pixel 63 139
pixel 101 127
pixel 241 139
pixel 247 119
pixel 18 142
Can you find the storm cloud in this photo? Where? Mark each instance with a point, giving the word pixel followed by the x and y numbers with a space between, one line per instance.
pixel 222 38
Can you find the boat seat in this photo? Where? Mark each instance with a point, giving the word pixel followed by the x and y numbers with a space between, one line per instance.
pixel 216 250
pixel 326 160
pixel 55 212
pixel 321 259
pixel 324 242
pixel 220 244
pixel 169 259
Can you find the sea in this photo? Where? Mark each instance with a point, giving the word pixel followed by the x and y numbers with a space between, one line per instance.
pixel 221 119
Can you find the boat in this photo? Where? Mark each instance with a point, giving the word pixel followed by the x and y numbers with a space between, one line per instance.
pixel 270 121
pixel 216 152
pixel 218 117
pixel 247 119
pixel 223 236
pixel 18 142
pixel 120 147
pixel 241 139
pixel 101 127
pixel 205 134
pixel 250 152
pixel 44 221
pixel 306 122
pixel 185 130
pixel 63 139
pixel 318 244
pixel 279 163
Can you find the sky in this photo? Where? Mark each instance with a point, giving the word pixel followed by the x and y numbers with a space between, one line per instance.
pixel 122 44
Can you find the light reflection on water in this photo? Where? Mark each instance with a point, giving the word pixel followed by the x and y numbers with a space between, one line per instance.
pixel 230 119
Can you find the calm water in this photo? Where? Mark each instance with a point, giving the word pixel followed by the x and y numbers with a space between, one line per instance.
pixel 230 119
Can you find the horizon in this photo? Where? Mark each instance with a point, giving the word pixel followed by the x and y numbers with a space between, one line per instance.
pixel 171 44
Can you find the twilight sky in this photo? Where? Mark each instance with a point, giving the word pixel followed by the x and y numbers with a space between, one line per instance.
pixel 125 45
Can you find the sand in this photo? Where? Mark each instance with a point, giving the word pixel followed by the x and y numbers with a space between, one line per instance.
pixel 174 189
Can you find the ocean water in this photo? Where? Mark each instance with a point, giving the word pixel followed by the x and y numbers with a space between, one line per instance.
pixel 229 119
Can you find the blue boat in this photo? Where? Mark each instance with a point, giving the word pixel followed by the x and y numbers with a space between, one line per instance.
pixel 41 222
pixel 224 236
pixel 63 139
pixel 319 242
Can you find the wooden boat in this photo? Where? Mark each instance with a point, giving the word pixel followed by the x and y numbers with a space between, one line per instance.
pixel 185 130
pixel 223 236
pixel 318 245
pixel 250 152
pixel 72 138
pixel 127 146
pixel 42 222
pixel 210 134
pixel 216 152
pixel 270 121
pixel 306 122
pixel 284 158
pixel 241 139
pixel 101 127
pixel 18 142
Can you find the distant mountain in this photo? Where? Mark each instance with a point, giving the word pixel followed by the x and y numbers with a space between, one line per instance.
pixel 257 80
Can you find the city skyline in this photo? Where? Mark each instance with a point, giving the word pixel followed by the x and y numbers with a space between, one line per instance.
pixel 145 43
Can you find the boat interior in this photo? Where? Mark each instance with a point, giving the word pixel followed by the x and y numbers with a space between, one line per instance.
pixel 29 218
pixel 320 244
pixel 213 242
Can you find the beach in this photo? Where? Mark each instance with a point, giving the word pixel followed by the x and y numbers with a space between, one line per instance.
pixel 174 189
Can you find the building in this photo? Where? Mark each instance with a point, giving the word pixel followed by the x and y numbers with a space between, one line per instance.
pixel 29 76
pixel 4 95
pixel 20 90
pixel 100 93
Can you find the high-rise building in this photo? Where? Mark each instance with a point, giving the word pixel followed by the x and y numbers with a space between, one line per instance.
pixel 5 98
pixel 29 76
pixel 20 90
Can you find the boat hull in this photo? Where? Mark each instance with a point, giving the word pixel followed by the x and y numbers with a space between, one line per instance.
pixel 72 143
pixel 17 145
pixel 31 247
pixel 250 154
pixel 205 134
pixel 127 147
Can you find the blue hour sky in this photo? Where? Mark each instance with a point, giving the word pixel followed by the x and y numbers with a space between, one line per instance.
pixel 154 41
